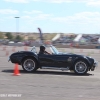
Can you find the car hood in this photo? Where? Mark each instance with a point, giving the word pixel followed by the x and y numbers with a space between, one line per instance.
pixel 61 53
pixel 76 55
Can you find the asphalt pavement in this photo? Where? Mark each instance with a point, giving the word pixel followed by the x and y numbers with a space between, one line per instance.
pixel 48 84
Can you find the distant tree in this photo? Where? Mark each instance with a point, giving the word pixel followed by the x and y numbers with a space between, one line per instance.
pixel 9 35
pixel 1 35
pixel 18 38
pixel 31 38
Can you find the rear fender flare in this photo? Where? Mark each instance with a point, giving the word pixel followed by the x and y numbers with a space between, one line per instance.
pixel 33 57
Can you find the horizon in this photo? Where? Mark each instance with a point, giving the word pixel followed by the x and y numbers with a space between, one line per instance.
pixel 52 33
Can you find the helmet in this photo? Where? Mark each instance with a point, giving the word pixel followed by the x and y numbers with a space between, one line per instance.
pixel 42 48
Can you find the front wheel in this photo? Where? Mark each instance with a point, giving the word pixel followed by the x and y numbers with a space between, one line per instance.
pixel 81 67
pixel 29 65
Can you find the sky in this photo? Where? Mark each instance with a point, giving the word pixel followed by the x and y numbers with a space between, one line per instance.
pixel 52 16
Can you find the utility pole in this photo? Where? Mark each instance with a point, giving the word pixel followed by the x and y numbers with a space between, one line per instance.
pixel 17 27
pixel 17 24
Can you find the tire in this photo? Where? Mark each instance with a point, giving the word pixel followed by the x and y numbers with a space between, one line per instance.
pixel 80 67
pixel 29 65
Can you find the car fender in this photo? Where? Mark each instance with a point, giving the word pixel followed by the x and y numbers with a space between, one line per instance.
pixel 24 56
pixel 81 58
pixel 30 56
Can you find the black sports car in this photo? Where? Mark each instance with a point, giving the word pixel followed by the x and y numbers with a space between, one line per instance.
pixel 31 61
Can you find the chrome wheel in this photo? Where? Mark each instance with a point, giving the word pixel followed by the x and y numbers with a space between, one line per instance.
pixel 81 67
pixel 29 65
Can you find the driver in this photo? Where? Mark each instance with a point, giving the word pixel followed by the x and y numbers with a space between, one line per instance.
pixel 42 50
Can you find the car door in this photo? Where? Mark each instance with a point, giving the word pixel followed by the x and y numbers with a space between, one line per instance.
pixel 55 60
pixel 46 60
pixel 61 60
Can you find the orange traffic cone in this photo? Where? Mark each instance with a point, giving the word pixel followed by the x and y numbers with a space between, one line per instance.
pixel 7 53
pixel 81 50
pixel 16 70
pixel 13 49
pixel 4 48
pixel 25 48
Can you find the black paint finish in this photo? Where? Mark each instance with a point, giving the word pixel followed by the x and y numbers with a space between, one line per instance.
pixel 58 60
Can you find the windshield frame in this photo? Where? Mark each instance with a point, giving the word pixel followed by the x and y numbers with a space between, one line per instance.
pixel 34 49
pixel 54 50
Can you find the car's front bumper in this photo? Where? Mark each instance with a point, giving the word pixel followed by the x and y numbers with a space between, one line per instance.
pixel 94 65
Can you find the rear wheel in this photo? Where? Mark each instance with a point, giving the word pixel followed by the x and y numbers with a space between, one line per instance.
pixel 81 67
pixel 29 65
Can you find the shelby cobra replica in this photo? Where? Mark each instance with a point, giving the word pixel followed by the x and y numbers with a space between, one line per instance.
pixel 31 61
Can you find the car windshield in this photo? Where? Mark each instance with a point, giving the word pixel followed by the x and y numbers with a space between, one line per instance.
pixel 54 50
pixel 51 49
pixel 34 49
